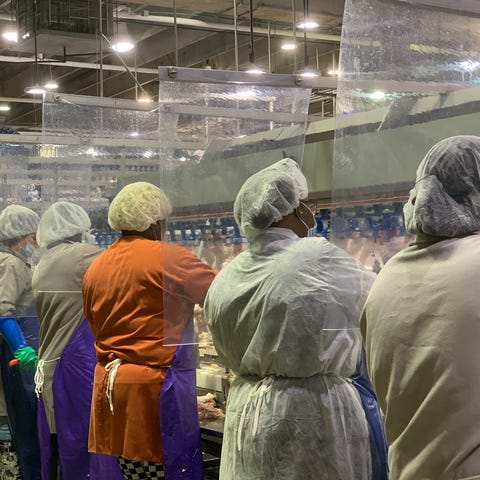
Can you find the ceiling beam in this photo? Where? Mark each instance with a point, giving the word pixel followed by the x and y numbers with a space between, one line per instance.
pixel 225 27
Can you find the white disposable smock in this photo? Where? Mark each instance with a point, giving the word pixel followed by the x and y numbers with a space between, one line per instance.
pixel 284 316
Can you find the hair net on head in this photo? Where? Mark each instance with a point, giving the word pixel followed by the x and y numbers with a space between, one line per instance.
pixel 268 196
pixel 17 221
pixel 445 200
pixel 137 206
pixel 60 221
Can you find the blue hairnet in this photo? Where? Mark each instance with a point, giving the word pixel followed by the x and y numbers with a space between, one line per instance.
pixel 60 221
pixel 445 200
pixel 268 196
pixel 17 221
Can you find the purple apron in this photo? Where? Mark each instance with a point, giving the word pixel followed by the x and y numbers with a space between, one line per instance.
pixel 72 394
pixel 179 415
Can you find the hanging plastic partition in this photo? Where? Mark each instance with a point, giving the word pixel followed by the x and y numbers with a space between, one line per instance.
pixel 409 76
pixel 92 148
pixel 217 129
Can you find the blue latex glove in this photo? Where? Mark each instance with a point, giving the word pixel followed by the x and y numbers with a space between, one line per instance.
pixel 11 331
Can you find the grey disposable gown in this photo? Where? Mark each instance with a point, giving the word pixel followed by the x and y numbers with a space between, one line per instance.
pixel 16 294
pixel 284 316
pixel 57 285
pixel 422 328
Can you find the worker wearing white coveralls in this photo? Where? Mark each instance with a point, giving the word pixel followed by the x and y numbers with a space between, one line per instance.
pixel 284 316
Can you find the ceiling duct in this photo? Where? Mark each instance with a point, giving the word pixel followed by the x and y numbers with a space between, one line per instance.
pixel 461 6
pixel 61 25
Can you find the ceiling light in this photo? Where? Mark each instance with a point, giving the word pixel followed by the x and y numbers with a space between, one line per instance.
pixel 308 25
pixel 26 35
pixel 333 72
pixel 289 46
pixel 51 85
pixel 4 108
pixel 134 134
pixel 35 90
pixel 377 95
pixel 144 100
pixel 124 46
pixel 11 36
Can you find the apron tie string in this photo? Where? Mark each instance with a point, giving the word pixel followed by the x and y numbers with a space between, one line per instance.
pixel 112 368
pixel 39 377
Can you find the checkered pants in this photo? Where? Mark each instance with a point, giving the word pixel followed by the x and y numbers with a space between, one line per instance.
pixel 139 470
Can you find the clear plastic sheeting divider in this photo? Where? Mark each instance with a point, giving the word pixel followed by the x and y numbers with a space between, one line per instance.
pixel 216 129
pixel 409 75
pixel 94 146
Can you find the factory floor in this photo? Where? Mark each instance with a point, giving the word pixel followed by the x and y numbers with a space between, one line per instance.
pixel 8 458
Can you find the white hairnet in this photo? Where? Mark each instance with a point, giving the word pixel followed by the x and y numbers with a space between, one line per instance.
pixel 61 220
pixel 137 206
pixel 268 196
pixel 17 221
pixel 445 200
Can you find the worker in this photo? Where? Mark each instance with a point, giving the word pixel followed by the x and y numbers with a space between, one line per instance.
pixel 138 297
pixel 67 358
pixel 421 322
pixel 284 316
pixel 19 327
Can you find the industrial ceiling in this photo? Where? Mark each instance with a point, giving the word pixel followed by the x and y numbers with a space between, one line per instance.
pixel 197 34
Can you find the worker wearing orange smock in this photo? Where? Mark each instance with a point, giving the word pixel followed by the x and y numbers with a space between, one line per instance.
pixel 138 297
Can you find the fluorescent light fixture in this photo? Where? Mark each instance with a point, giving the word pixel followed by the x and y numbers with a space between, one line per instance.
pixel 124 46
pixel 11 36
pixel 308 25
pixel 144 100
pixel 333 72
pixel 147 154
pixel 289 46
pixel 51 85
pixel 91 151
pixel 134 134
pixel 4 108
pixel 26 35
pixel 377 95
pixel 35 90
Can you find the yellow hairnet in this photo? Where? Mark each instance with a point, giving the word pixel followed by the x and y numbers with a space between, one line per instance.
pixel 137 206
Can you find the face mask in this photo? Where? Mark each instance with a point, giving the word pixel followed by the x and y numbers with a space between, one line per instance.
pixel 311 231
pixel 27 252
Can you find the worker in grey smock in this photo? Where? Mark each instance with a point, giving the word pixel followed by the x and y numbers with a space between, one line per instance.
pixel 421 323
pixel 19 327
pixel 67 358
pixel 284 316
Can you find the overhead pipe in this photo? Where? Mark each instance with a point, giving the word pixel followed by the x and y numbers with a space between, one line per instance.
pixel 218 27
pixel 70 64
